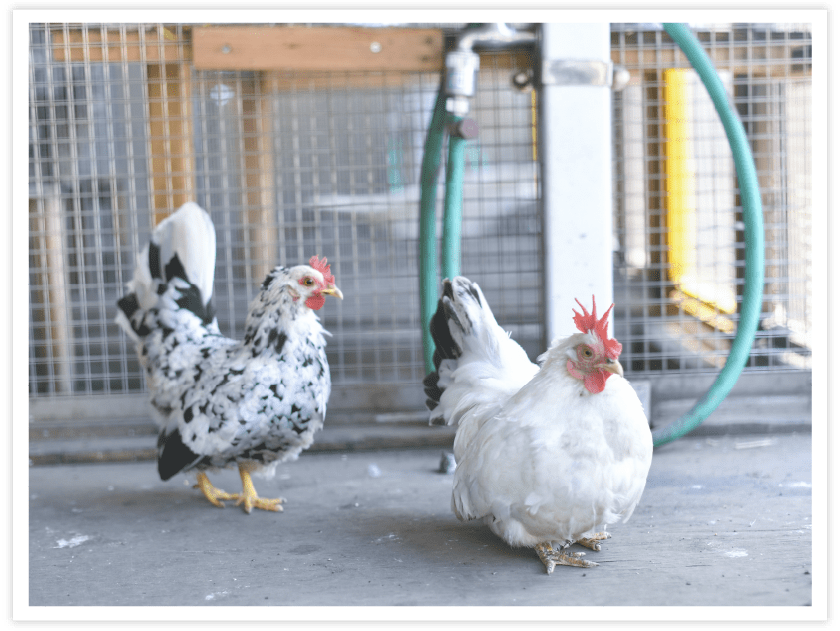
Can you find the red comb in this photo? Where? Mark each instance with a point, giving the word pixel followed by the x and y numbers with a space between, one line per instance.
pixel 590 322
pixel 322 267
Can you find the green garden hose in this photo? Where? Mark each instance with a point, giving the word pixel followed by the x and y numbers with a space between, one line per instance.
pixel 452 202
pixel 753 238
pixel 428 224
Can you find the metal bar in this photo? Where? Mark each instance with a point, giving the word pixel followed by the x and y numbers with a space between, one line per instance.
pixel 577 204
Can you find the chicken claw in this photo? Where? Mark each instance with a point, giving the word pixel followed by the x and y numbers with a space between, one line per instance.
pixel 212 493
pixel 551 557
pixel 592 542
pixel 249 498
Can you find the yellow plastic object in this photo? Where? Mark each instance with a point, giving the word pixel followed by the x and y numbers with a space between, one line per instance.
pixel 680 179
pixel 681 203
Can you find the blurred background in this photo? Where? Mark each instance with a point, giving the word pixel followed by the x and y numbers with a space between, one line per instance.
pixel 297 155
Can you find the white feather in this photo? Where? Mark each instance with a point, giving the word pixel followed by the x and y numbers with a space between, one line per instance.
pixel 492 366
pixel 539 457
pixel 190 234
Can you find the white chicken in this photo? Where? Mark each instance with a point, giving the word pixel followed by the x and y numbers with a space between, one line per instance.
pixel 217 401
pixel 546 454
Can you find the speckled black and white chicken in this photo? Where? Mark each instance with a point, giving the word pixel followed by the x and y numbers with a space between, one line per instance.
pixel 219 401
pixel 547 453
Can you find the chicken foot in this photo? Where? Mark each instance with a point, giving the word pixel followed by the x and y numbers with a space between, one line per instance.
pixel 249 498
pixel 592 542
pixel 551 557
pixel 212 493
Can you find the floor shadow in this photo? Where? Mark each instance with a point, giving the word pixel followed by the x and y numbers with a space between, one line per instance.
pixel 441 534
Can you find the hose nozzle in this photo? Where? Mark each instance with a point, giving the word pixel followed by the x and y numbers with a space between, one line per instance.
pixel 461 67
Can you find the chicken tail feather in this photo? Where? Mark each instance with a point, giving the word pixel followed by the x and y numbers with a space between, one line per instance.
pixel 180 254
pixel 465 333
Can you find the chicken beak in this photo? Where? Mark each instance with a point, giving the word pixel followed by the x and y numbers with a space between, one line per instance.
pixel 614 367
pixel 333 291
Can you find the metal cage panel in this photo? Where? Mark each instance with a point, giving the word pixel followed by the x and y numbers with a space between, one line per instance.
pixel 289 164
pixel 124 128
pixel 679 234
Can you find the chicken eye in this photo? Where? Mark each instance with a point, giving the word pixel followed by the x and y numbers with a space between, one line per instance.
pixel 308 282
pixel 586 352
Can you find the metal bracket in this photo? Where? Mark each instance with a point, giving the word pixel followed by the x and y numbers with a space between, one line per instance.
pixel 577 72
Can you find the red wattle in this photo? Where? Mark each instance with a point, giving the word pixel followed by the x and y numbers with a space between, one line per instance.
pixel 596 381
pixel 315 301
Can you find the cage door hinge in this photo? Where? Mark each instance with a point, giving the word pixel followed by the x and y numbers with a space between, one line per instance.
pixel 562 72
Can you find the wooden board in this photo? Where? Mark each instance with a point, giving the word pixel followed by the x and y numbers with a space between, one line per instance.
pixel 112 45
pixel 316 48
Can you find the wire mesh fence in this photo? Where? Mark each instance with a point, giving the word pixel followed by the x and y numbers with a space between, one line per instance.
pixel 291 163
pixel 680 252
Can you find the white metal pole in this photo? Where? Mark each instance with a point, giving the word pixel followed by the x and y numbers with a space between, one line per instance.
pixel 577 183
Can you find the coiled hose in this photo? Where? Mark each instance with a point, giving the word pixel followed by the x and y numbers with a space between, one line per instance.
pixel 753 242
pixel 751 208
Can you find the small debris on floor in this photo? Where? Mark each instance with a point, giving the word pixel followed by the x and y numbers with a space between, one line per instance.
pixel 752 444
pixel 447 463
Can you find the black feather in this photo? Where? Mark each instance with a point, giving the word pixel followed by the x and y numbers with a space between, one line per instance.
pixel 154 260
pixel 175 269
pixel 445 346
pixel 271 276
pixel 173 455
pixel 191 299
pixel 128 305
pixel 432 390
pixel 277 339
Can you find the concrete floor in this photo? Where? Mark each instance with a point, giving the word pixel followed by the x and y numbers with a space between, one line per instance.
pixel 723 521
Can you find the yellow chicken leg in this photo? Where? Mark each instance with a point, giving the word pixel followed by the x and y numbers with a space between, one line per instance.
pixel 249 498
pixel 551 557
pixel 211 492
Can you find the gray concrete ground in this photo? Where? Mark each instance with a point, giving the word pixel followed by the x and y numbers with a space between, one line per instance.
pixel 724 521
